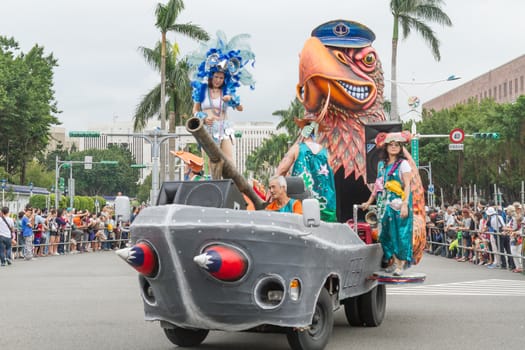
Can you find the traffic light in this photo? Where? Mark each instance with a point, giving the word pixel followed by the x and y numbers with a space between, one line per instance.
pixel 61 184
pixel 486 135
pixel 84 134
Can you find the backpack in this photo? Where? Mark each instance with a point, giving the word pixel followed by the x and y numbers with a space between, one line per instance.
pixel 498 221
pixel 53 226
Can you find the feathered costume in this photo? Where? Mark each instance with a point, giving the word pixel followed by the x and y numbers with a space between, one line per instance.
pixel 229 57
pixel 338 65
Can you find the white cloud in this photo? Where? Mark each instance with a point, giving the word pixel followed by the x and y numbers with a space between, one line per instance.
pixel 101 73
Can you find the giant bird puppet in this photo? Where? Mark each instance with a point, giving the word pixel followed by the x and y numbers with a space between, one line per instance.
pixel 339 68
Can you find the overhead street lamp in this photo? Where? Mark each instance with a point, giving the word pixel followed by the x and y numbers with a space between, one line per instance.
pixel 155 138
pixel 394 114
pixel 450 78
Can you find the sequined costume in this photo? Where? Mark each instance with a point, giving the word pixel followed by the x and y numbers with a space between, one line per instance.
pixel 318 178
pixel 396 232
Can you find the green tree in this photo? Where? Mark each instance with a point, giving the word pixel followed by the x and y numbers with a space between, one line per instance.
pixel 414 15
pixel 296 110
pixel 104 179
pixel 483 162
pixel 38 174
pixel 264 160
pixel 144 190
pixel 27 105
pixel 166 18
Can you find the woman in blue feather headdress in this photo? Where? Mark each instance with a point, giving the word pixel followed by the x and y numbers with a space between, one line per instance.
pixel 220 70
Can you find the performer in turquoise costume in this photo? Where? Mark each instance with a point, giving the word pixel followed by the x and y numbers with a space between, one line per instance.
pixel 311 162
pixel 394 201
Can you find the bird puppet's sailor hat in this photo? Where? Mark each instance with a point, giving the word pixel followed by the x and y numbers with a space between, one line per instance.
pixel 342 33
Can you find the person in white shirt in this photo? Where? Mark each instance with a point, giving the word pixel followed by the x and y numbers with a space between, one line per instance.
pixel 6 231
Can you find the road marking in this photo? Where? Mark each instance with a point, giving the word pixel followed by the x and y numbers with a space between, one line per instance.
pixel 491 287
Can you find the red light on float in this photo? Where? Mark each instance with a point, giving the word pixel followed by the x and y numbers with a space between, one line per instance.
pixel 141 257
pixel 223 262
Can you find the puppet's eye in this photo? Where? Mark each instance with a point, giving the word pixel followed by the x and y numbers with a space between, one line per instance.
pixel 369 59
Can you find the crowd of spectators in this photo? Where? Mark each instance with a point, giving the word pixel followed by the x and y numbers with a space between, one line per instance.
pixel 488 235
pixel 34 232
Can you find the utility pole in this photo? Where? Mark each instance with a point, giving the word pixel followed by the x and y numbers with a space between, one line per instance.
pixel 155 138
pixel 69 163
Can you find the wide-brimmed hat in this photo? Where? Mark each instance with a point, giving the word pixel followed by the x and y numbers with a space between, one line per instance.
pixel 194 162
pixel 384 138
pixel 491 211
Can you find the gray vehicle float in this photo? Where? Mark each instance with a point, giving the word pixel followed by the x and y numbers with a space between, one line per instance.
pixel 206 264
pixel 277 272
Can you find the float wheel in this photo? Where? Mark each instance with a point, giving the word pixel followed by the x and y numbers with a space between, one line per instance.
pixel 184 337
pixel 317 335
pixel 372 306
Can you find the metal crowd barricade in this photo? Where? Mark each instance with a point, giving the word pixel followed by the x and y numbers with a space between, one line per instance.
pixel 433 232
pixel 120 241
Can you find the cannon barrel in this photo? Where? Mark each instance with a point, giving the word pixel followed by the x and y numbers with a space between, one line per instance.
pixel 224 167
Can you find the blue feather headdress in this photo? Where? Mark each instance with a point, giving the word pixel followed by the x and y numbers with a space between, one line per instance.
pixel 220 55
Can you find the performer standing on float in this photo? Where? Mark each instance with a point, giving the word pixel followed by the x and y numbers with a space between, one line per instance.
pixel 394 200
pixel 220 71
pixel 194 164
pixel 310 162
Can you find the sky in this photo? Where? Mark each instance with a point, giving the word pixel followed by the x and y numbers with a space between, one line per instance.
pixel 102 77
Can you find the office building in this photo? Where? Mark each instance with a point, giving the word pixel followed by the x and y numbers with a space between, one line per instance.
pixel 504 84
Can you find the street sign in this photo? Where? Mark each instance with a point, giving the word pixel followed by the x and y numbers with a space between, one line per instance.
pixel 88 162
pixel 84 134
pixel 455 147
pixel 457 135
pixel 415 150
pixel 487 135
pixel 430 188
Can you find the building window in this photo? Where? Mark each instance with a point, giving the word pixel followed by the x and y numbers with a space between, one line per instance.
pixel 521 83
pixel 495 92
pixel 505 89
pixel 516 85
pixel 510 88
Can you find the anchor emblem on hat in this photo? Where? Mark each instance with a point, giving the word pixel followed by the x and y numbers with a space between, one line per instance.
pixel 341 29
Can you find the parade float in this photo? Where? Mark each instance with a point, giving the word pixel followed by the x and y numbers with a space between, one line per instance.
pixel 206 263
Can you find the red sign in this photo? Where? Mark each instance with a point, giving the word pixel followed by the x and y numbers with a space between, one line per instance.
pixel 457 135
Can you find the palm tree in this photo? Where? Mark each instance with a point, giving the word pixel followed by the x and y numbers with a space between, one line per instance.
pixel 177 84
pixel 264 160
pixel 178 90
pixel 414 15
pixel 296 109
pixel 166 21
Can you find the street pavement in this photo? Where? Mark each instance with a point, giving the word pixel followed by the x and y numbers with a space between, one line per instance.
pixel 92 301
